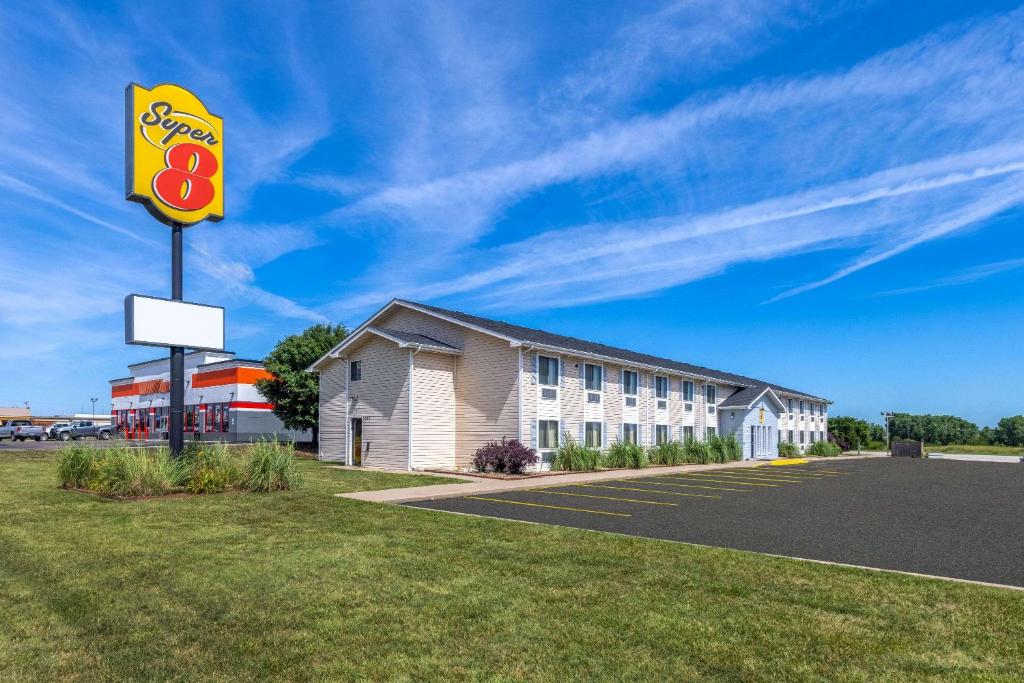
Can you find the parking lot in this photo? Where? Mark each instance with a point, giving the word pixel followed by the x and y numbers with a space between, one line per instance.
pixel 942 518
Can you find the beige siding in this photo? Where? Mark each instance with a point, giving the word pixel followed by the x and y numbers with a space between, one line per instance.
pixel 572 396
pixel 486 396
pixel 381 399
pixel 333 427
pixel 433 406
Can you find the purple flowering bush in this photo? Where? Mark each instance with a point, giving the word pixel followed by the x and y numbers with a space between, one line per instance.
pixel 509 456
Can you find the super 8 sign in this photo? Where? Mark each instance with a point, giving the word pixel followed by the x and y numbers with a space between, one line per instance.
pixel 174 154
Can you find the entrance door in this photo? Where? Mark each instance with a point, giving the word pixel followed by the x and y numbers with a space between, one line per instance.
pixel 357 441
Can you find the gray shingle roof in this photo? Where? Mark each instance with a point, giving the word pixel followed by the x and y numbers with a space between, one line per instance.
pixel 533 336
pixel 743 397
pixel 413 338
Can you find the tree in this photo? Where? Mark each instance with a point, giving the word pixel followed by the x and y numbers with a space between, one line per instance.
pixel 294 392
pixel 849 433
pixel 934 429
pixel 1010 431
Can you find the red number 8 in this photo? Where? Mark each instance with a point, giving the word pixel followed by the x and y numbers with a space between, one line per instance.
pixel 185 183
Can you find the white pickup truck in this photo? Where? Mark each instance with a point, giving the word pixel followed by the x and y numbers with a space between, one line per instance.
pixel 19 430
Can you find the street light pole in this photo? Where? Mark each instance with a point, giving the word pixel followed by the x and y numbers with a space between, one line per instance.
pixel 93 400
pixel 176 421
pixel 885 416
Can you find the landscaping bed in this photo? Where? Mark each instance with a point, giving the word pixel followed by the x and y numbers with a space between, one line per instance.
pixel 129 473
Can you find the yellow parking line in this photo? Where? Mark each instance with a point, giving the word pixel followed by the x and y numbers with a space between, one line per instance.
pixel 766 477
pixel 688 486
pixel 720 481
pixel 590 495
pixel 667 493
pixel 550 507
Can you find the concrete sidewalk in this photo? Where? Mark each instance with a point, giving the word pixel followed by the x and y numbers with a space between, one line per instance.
pixel 475 486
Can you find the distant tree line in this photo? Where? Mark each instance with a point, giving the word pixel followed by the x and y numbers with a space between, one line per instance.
pixel 940 430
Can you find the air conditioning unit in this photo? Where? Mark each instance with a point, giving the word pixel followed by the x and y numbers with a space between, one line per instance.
pixel 549 393
pixel 593 397
pixel 662 404
pixel 631 401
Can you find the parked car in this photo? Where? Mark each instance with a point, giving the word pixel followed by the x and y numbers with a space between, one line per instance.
pixel 85 428
pixel 19 430
pixel 51 431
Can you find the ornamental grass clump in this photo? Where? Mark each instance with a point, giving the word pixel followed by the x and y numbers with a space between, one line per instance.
pixel 725 449
pixel 697 452
pixel 668 453
pixel 574 456
pixel 508 456
pixel 787 449
pixel 211 467
pixel 271 467
pixel 75 464
pixel 124 471
pixel 825 449
pixel 625 454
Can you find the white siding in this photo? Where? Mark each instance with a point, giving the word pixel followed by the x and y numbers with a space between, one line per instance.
pixel 433 423
pixel 381 399
pixel 333 427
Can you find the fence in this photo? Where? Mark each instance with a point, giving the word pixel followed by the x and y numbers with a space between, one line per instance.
pixel 907 449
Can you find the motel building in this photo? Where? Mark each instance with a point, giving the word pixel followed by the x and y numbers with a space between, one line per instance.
pixel 421 387
pixel 222 402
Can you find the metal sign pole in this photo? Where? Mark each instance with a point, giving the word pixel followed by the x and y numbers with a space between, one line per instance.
pixel 176 422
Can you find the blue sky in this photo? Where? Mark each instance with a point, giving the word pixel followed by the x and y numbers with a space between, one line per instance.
pixel 829 197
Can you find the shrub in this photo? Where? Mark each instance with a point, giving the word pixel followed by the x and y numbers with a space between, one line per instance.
pixel 625 454
pixel 787 449
pixel 725 448
pixel 696 452
pixel 573 456
pixel 823 448
pixel 509 456
pixel 271 467
pixel 211 467
pixel 75 464
pixel 668 453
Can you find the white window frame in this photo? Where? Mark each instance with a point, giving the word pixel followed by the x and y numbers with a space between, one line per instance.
pixel 658 379
pixel 636 430
pixel 692 387
pixel 558 369
pixel 586 433
pixel 586 379
pixel 657 434
pixel 622 378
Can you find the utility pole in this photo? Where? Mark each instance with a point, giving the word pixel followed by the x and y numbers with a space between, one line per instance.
pixel 886 416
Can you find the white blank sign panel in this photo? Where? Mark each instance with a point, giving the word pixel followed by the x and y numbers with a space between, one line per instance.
pixel 150 321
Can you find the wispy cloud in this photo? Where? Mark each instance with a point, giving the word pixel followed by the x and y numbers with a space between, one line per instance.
pixel 964 277
pixel 934 117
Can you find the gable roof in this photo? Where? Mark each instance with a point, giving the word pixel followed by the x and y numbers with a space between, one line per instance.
pixel 519 335
pixel 745 398
pixel 400 337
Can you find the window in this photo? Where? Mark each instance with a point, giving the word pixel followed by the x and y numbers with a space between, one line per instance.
pixel 593 397
pixel 547 434
pixel 629 382
pixel 629 432
pixel 711 432
pixel 661 387
pixel 711 393
pixel 811 408
pixel 801 436
pixel 661 434
pixel 711 408
pixel 791 408
pixel 812 436
pixel 821 436
pixel 687 391
pixel 801 407
pixel 662 405
pixel 687 433
pixel 547 371
pixel 355 370
pixel 593 435
pixel 789 436
pixel 594 377
pixel 688 407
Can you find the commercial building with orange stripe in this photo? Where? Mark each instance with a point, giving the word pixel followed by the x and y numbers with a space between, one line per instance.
pixel 222 402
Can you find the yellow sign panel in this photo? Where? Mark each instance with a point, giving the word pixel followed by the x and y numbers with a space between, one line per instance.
pixel 760 417
pixel 174 155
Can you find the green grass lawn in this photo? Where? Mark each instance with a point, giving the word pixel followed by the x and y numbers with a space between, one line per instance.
pixel 976 450
pixel 303 585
